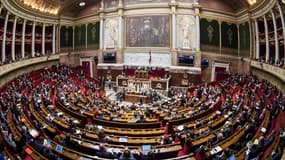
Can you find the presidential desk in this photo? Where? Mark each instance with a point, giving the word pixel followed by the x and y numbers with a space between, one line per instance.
pixel 134 84
pixel 136 98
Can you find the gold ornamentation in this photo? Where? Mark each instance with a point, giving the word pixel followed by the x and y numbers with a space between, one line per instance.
pixel 210 30
pixel 93 31
pixel 230 36
pixel 79 36
pixel 158 86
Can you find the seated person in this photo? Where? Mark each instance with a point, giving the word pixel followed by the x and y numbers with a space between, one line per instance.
pixel 127 155
pixel 103 153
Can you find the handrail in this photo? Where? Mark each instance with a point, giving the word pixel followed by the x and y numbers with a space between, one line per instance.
pixel 6 68
pixel 275 70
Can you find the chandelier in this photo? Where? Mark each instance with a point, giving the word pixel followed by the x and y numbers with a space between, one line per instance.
pixel 46 6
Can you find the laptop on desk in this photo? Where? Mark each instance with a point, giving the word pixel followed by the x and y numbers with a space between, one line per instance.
pixel 59 148
pixel 123 139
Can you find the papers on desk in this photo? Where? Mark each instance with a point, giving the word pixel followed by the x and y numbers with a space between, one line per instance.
pixel 59 113
pixel 263 129
pixel 79 142
pixel 47 143
pixel 180 128
pixel 100 127
pixel 51 106
pixel 77 131
pixel 75 121
pixel 44 126
pixel 114 150
pixel 123 139
pixel 134 120
pixel 85 158
pixel 34 133
pixel 216 150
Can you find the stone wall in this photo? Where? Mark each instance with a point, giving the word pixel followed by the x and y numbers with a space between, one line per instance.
pixel 237 64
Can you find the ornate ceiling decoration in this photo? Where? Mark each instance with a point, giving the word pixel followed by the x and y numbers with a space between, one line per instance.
pixel 45 6
pixel 73 9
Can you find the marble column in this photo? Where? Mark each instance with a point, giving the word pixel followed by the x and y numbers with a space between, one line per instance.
pixel 4 37
pixel 73 36
pixel 220 33
pixel 251 39
pixel 120 3
pixel 257 54
pixel 57 47
pixel 276 38
pixel 197 17
pixel 14 38
pixel 86 35
pixel 43 39
pixel 238 34
pixel 101 32
pixel 266 39
pixel 102 4
pixel 23 38
pixel 53 38
pixel 174 36
pixel 33 39
pixel 283 26
pixel 119 45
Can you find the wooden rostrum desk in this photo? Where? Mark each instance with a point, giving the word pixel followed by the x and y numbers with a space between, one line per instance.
pixel 136 98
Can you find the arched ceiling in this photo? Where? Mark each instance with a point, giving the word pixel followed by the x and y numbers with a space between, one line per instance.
pixel 73 9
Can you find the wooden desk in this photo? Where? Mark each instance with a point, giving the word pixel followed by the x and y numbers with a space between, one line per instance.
pixel 134 98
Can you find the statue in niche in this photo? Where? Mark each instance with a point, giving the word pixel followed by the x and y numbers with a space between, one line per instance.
pixel 185 32
pixel 186 26
pixel 111 33
pixel 230 36
pixel 93 31
pixel 210 30
pixel 66 37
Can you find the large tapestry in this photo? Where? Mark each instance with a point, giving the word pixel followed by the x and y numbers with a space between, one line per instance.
pixel 148 31
pixel 229 38
pixel 186 32
pixel 244 39
pixel 93 35
pixel 66 38
pixel 111 32
pixel 80 37
pixel 209 35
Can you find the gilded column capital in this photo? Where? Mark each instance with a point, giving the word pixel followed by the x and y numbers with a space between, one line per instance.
pixel 101 15
pixel 173 4
pixel 197 12
pixel 121 12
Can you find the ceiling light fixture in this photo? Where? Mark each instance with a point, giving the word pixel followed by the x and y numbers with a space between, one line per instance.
pixel 81 4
